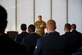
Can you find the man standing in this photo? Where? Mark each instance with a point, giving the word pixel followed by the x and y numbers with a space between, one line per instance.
pixel 40 26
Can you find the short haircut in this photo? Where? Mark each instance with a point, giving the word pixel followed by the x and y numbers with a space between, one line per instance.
pixel 23 26
pixel 73 26
pixel 3 19
pixel 51 24
pixel 39 16
pixel 68 26
pixel 32 27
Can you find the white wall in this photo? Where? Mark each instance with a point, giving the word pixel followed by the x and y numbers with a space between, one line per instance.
pixel 75 13
pixel 42 7
pixel 59 14
pixel 24 13
pixel 10 7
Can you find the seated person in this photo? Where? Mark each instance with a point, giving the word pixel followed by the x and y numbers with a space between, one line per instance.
pixel 23 34
pixel 31 39
pixel 78 37
pixel 51 43
pixel 70 40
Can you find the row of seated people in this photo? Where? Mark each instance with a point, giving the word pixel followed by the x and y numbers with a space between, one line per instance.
pixel 28 39
pixel 51 44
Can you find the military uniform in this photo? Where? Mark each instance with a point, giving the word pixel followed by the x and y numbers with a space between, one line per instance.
pixel 40 30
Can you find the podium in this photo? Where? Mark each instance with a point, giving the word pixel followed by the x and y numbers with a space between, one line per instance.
pixel 12 34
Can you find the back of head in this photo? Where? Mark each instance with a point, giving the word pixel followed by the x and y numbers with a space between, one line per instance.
pixel 73 26
pixel 39 16
pixel 23 27
pixel 3 19
pixel 51 24
pixel 31 28
pixel 68 26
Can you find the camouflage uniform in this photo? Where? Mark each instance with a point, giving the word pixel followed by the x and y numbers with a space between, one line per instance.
pixel 40 30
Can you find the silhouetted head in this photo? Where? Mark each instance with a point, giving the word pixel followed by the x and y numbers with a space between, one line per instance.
pixel 23 27
pixel 73 27
pixel 3 19
pixel 39 17
pixel 31 28
pixel 67 27
pixel 51 25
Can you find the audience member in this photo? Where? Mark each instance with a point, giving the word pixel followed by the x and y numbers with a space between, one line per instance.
pixel 69 40
pixel 8 46
pixel 40 26
pixel 78 37
pixel 51 43
pixel 23 34
pixel 31 39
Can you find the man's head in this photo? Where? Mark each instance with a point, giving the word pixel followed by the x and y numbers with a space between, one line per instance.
pixel 39 17
pixel 73 27
pixel 31 28
pixel 23 27
pixel 67 27
pixel 51 25
pixel 3 19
